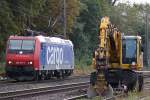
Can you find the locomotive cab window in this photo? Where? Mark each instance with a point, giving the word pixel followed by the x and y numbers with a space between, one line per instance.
pixel 27 46
pixel 15 44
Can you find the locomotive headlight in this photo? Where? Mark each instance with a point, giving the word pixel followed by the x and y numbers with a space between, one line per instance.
pixel 9 62
pixel 30 62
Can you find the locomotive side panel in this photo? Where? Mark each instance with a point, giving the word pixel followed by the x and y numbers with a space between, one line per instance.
pixel 56 56
pixel 36 55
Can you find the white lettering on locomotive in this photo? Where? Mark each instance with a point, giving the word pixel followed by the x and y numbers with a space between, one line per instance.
pixel 54 56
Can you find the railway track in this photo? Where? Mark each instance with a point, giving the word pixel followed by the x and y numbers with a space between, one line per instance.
pixel 19 86
pixel 9 82
pixel 43 90
pixel 85 96
pixel 80 97
pixel 116 97
pixel 119 96
pixel 56 89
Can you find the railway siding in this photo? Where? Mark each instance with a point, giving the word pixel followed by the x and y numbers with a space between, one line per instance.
pixel 43 90
pixel 69 92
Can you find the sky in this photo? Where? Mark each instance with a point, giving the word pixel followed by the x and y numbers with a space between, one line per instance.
pixel 135 1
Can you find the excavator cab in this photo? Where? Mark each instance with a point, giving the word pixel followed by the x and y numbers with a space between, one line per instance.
pixel 131 53
pixel 129 56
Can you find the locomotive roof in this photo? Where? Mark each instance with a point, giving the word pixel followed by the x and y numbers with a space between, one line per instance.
pixel 21 37
pixel 55 40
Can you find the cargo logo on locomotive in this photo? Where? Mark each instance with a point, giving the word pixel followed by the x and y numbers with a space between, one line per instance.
pixel 54 56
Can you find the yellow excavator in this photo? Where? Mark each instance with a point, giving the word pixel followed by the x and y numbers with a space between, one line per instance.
pixel 117 61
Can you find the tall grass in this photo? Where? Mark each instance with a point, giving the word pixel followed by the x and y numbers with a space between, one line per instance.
pixel 2 68
pixel 2 60
pixel 83 65
pixel 136 96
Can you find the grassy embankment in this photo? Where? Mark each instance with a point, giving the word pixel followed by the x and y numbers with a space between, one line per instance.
pixel 83 66
pixel 131 96
pixel 2 62
pixel 2 67
pixel 136 96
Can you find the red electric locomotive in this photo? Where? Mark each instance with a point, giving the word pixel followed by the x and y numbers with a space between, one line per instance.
pixel 38 57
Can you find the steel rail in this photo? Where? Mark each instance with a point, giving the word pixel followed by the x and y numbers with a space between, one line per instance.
pixel 111 98
pixel 85 96
pixel 43 90
pixel 14 82
pixel 76 97
pixel 51 90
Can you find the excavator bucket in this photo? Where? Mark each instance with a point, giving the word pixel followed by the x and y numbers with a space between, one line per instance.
pixel 91 92
pixel 108 93
pixel 98 86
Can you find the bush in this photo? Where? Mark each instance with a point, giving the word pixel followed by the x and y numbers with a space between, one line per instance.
pixel 83 65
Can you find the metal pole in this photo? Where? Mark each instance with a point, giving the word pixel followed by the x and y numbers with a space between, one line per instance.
pixel 146 39
pixel 65 19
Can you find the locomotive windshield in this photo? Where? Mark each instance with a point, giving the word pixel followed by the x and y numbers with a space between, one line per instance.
pixel 129 50
pixel 27 46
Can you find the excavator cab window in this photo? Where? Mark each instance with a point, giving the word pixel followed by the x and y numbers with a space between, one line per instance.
pixel 129 51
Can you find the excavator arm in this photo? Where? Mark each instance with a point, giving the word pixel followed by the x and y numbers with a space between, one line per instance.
pixel 109 45
pixel 101 56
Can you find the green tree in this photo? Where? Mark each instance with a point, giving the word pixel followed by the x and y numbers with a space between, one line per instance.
pixel 52 19
pixel 7 25
pixel 85 37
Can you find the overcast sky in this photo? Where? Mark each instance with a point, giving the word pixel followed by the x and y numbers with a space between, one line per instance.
pixel 135 1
